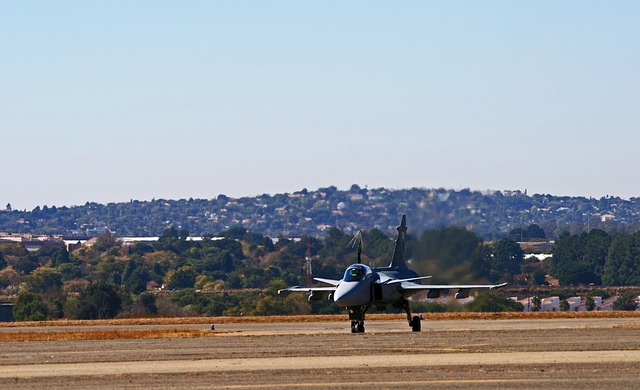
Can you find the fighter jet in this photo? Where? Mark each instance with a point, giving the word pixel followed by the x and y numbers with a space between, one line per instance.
pixel 363 286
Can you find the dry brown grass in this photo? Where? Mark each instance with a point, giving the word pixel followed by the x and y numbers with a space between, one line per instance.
pixel 114 334
pixel 324 318
pixel 106 334
pixel 531 315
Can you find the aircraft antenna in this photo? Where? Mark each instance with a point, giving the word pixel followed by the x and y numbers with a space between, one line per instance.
pixel 307 265
pixel 357 239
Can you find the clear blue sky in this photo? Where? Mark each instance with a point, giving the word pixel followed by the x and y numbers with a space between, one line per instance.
pixel 111 101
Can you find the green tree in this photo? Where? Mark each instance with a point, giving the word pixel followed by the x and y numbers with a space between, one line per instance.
pixel 536 304
pixel 535 232
pixel 135 276
pixel 580 259
pixel 622 267
pixel 290 258
pixel 449 254
pixel 9 277
pixel 183 277
pixel 225 261
pixel 538 278
pixel 173 239
pixel 109 270
pixel 563 293
pixel 334 253
pixel 147 303
pixel 493 302
pixel 234 233
pixel 189 297
pixel 13 249
pixel 106 241
pixel 270 303
pixel 506 259
pixel 378 247
pixel 626 301
pixel 26 264
pixel 61 256
pixel 140 248
pixel 159 262
pixel 43 280
pixel 99 301
pixel 29 307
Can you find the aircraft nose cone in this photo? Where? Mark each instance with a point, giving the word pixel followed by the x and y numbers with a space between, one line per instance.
pixel 348 295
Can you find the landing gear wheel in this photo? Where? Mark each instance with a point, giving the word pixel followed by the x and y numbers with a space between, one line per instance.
pixel 357 326
pixel 356 315
pixel 415 324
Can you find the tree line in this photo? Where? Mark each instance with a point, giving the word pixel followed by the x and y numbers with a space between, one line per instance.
pixel 239 272
pixel 597 258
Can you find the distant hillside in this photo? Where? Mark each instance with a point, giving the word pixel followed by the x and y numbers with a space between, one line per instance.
pixel 489 214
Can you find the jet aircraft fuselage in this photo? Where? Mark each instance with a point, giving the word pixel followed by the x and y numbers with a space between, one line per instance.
pixel 362 286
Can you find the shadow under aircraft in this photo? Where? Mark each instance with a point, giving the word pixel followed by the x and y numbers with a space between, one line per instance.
pixel 363 286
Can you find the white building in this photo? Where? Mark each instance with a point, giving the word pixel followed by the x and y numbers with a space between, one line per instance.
pixel 550 304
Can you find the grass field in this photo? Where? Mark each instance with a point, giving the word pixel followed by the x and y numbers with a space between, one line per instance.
pixel 324 318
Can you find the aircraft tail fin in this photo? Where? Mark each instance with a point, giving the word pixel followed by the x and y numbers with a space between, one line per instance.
pixel 398 260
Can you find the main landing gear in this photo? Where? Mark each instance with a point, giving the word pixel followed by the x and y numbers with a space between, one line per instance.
pixel 356 315
pixel 414 322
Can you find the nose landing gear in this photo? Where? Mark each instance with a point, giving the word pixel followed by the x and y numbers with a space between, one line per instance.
pixel 357 326
pixel 356 315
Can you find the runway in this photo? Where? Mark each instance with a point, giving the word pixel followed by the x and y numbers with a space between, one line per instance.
pixel 567 353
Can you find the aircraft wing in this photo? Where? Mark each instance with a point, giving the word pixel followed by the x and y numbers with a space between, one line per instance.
pixel 415 287
pixel 332 282
pixel 394 281
pixel 308 289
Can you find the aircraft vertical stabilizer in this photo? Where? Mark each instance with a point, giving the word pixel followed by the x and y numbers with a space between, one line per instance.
pixel 398 253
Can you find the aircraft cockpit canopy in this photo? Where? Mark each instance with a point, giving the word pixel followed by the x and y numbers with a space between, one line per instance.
pixel 357 272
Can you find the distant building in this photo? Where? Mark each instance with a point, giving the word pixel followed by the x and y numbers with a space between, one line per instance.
pixel 607 304
pixel 526 303
pixel 73 244
pixel 539 256
pixel 597 302
pixel 607 217
pixel 31 242
pixel 575 303
pixel 550 304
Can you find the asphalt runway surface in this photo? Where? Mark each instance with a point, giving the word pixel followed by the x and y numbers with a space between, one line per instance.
pixel 454 354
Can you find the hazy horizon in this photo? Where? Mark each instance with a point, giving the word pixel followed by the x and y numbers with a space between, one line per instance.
pixel 483 191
